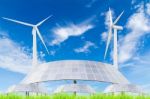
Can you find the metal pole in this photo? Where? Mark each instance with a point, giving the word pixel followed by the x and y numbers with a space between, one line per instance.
pixel 34 61
pixel 27 93
pixel 115 56
pixel 75 82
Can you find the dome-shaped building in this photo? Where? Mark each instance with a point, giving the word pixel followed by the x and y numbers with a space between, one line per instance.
pixel 27 88
pixel 127 88
pixel 75 88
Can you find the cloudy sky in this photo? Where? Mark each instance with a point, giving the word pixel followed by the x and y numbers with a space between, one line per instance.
pixel 77 30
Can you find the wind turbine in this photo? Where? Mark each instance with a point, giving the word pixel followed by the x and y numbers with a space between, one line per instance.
pixel 35 31
pixel 113 26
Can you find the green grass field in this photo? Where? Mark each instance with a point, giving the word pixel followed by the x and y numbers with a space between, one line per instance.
pixel 68 96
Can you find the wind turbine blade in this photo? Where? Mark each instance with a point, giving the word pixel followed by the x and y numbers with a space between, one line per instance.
pixel 118 17
pixel 40 36
pixel 43 20
pixel 110 17
pixel 108 41
pixel 20 22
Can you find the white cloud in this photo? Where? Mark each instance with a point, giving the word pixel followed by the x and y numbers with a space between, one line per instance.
pixel 14 57
pixel 146 88
pixel 133 2
pixel 138 25
pixel 90 3
pixel 139 70
pixel 53 52
pixel 42 54
pixel 63 33
pixel 148 8
pixel 104 36
pixel 85 48
pixel 3 34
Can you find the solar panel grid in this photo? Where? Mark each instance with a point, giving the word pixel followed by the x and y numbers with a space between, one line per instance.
pixel 75 69
pixel 123 88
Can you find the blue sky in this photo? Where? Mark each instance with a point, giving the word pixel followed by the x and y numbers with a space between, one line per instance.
pixel 77 30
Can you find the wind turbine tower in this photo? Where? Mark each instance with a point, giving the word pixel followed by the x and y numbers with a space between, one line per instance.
pixel 113 26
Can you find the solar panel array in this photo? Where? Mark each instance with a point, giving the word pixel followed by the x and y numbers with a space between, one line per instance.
pixel 123 88
pixel 75 70
pixel 79 88
pixel 27 88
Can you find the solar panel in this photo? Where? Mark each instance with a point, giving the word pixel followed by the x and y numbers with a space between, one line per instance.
pixel 114 88
pixel 75 70
pixel 27 88
pixel 78 88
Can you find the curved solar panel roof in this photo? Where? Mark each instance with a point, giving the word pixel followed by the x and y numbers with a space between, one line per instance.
pixel 123 88
pixel 79 88
pixel 27 88
pixel 75 70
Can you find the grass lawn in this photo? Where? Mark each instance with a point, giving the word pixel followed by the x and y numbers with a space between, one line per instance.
pixel 69 96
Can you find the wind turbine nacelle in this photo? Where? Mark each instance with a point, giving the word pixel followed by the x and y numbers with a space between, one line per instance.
pixel 118 27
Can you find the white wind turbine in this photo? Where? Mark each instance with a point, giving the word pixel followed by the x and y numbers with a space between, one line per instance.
pixel 113 26
pixel 35 31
